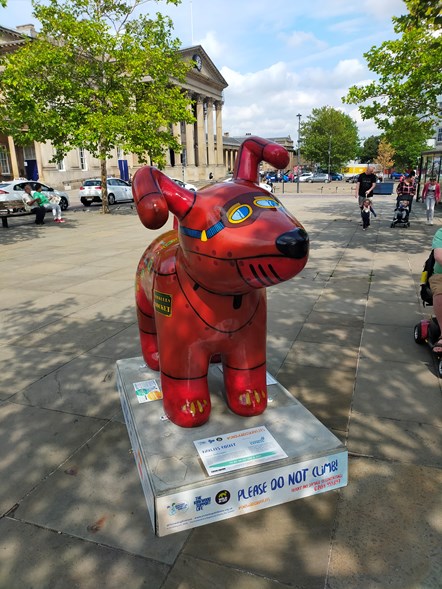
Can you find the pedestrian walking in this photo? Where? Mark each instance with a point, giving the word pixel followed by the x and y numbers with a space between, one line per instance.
pixel 430 197
pixel 366 211
pixel 365 185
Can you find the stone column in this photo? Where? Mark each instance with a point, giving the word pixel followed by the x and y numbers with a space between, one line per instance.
pixel 13 156
pixel 219 133
pixel 176 133
pixel 201 132
pixel 210 135
pixel 190 142
pixel 37 147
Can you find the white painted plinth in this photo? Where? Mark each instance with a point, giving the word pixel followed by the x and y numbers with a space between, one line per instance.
pixel 180 494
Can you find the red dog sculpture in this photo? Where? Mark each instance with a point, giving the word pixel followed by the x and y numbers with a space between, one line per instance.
pixel 200 289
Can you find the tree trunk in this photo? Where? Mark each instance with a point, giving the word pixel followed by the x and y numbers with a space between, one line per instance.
pixel 104 200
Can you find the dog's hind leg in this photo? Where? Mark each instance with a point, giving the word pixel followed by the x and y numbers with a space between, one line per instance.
pixel 147 328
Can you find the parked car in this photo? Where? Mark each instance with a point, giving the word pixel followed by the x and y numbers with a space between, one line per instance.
pixel 318 177
pixel 261 184
pixel 398 175
pixel 13 190
pixel 117 190
pixel 336 176
pixel 305 176
pixel 272 176
pixel 184 184
pixel 352 179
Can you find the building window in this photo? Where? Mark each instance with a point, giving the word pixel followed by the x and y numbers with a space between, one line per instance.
pixel 4 162
pixel 120 154
pixel 82 158
pixel 439 135
pixel 61 166
pixel 29 152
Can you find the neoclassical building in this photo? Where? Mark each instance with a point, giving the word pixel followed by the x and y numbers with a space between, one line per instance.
pixel 202 142
pixel 205 148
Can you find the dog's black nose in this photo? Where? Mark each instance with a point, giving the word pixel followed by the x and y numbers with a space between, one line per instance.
pixel 293 244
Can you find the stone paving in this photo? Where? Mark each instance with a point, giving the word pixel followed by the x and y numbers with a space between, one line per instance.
pixel 72 511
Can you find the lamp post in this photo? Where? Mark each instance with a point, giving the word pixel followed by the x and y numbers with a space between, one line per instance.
pixel 329 155
pixel 299 146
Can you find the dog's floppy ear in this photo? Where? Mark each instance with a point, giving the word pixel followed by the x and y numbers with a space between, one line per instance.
pixel 155 195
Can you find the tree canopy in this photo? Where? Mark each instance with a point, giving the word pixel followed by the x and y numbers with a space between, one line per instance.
pixel 96 77
pixel 409 69
pixel 369 149
pixel 408 138
pixel 329 135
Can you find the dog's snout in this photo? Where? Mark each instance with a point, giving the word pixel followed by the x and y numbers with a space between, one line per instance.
pixel 294 243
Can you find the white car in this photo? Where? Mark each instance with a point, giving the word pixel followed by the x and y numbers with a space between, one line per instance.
pixel 117 191
pixel 14 190
pixel 261 184
pixel 305 176
pixel 184 184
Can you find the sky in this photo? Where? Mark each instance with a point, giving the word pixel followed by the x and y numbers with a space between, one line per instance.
pixel 279 57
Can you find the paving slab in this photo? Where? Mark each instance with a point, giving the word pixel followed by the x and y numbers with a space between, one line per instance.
pixel 84 386
pixel 97 496
pixel 408 442
pixel 392 343
pixel 124 343
pixel 205 574
pixel 34 557
pixel 326 392
pixel 399 390
pixel 389 528
pixel 34 442
pixel 70 335
pixel 347 305
pixel 22 366
pixel 288 543
pixel 33 314
pixel 387 312
pixel 321 355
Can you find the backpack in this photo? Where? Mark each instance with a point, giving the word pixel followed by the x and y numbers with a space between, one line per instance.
pixel 426 294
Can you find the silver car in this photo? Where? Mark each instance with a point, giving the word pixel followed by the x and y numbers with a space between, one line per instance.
pixel 318 178
pixel 14 190
pixel 117 191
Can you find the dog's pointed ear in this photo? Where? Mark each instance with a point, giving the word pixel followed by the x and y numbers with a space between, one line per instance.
pixel 155 195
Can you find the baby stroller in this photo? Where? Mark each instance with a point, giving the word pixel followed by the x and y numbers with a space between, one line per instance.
pixel 402 212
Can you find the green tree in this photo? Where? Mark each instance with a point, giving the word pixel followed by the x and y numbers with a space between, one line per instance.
pixel 369 149
pixel 3 3
pixel 96 77
pixel 409 69
pixel 408 137
pixel 330 138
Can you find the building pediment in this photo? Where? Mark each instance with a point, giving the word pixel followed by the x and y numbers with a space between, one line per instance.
pixel 205 74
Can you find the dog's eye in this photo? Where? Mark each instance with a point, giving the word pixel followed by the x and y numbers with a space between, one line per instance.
pixel 239 213
pixel 266 203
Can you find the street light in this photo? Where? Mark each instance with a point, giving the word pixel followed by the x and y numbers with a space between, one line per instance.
pixel 329 154
pixel 299 144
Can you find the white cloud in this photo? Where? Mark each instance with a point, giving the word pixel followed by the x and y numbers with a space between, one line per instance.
pixel 347 27
pixel 298 38
pixel 213 47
